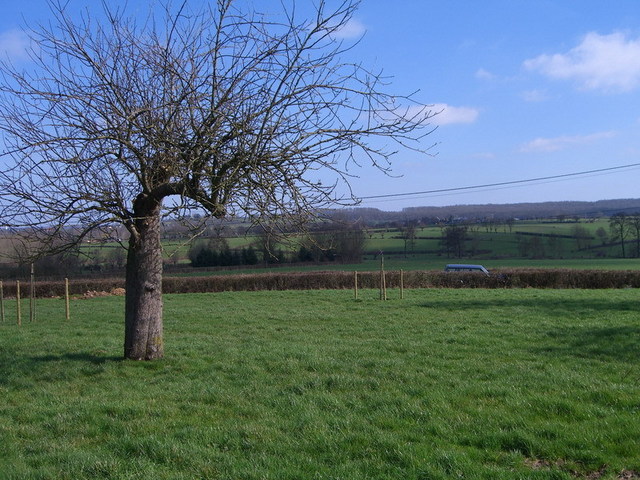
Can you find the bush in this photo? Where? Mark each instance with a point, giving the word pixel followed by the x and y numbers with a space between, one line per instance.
pixel 218 254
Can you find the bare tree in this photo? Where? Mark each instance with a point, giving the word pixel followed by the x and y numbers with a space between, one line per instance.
pixel 409 236
pixel 602 235
pixel 125 120
pixel 453 240
pixel 510 222
pixel 582 236
pixel 619 226
pixel 634 226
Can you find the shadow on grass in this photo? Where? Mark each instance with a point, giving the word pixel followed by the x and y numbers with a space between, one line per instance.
pixel 22 371
pixel 606 343
pixel 93 358
pixel 545 306
pixel 582 329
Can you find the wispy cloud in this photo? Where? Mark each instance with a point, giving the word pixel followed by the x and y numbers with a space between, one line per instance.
pixel 14 44
pixel 454 115
pixel 483 74
pixel 435 114
pixel 352 29
pixel 563 142
pixel 484 155
pixel 609 63
pixel 535 96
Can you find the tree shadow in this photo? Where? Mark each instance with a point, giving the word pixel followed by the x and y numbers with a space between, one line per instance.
pixel 548 306
pixel 607 342
pixel 86 357
pixel 619 343
pixel 21 370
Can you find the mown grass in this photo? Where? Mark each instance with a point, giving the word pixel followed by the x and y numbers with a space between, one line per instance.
pixel 480 384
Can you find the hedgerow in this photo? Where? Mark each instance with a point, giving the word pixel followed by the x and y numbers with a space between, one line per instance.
pixel 507 278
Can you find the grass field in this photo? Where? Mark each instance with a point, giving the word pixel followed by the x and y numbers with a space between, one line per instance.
pixel 400 262
pixel 474 384
pixel 396 262
pixel 555 244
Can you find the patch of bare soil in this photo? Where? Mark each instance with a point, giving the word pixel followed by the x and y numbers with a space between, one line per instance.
pixel 540 464
pixel 628 475
pixel 95 293
pixel 593 475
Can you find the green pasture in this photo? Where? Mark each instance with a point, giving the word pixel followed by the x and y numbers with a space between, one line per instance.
pixel 418 262
pixel 476 384
pixel 500 241
pixel 397 262
pixel 496 245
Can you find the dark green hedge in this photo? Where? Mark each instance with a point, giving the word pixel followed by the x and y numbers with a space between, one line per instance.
pixel 520 278
pixel 529 278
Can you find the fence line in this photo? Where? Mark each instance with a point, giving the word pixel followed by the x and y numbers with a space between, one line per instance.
pixel 32 300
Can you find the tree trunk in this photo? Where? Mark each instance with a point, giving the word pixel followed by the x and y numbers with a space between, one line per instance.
pixel 143 305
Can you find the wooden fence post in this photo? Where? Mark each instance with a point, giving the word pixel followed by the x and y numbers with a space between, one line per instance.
pixel 1 301
pixel 383 280
pixel 32 296
pixel 18 309
pixel 355 284
pixel 401 284
pixel 66 298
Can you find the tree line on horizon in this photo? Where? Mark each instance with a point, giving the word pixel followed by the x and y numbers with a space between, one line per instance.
pixel 531 211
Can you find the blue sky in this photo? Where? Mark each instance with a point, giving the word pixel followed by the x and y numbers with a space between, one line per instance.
pixel 527 89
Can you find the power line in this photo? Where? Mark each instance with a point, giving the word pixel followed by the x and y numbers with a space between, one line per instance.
pixel 500 184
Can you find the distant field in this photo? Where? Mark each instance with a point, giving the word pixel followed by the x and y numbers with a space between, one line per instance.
pixel 399 262
pixel 478 384
pixel 483 243
pixel 417 263
pixel 528 244
pixel 503 241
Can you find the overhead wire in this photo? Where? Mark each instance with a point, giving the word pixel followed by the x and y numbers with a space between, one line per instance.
pixel 451 190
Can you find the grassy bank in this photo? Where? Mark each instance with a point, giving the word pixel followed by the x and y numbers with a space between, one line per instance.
pixel 482 384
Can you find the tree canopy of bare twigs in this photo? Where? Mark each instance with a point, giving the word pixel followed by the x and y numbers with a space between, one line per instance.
pixel 119 119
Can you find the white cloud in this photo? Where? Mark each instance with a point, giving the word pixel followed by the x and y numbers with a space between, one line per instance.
pixel 483 74
pixel 433 114
pixel 535 95
pixel 600 62
pixel 563 142
pixel 452 115
pixel 14 44
pixel 484 155
pixel 352 29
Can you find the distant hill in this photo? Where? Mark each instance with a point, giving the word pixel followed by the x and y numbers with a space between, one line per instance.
pixel 600 208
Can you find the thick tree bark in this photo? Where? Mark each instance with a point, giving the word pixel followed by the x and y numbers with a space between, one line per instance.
pixel 143 307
